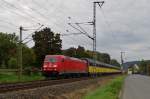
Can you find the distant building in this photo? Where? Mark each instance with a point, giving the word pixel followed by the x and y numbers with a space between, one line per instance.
pixel 131 67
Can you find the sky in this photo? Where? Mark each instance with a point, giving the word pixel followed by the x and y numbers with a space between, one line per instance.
pixel 122 25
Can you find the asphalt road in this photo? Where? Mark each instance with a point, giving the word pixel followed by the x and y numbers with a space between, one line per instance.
pixel 136 87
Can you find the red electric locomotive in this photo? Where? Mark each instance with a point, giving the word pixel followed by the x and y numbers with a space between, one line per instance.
pixel 60 65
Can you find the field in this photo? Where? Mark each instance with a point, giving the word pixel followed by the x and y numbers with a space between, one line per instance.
pixel 109 91
pixel 10 77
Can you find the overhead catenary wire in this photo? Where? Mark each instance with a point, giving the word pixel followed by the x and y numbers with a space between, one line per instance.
pixel 69 34
pixel 81 31
pixel 56 24
pixel 38 12
pixel 19 14
pixel 4 26
pixel 23 12
pixel 74 40
pixel 39 5
pixel 109 26
pixel 16 9
pixel 33 26
pixel 45 17
pixel 32 33
pixel 76 26
pixel 10 23
pixel 84 31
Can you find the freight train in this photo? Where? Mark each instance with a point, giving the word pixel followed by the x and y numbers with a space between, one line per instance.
pixel 60 65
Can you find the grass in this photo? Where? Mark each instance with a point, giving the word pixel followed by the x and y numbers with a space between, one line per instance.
pixel 109 91
pixel 12 77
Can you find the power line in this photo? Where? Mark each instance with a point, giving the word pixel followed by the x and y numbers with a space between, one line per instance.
pixel 32 33
pixel 28 41
pixel 8 23
pixel 13 6
pixel 15 13
pixel 45 17
pixel 84 31
pixel 109 26
pixel 39 5
pixel 36 11
pixel 71 34
pixel 81 31
pixel 32 26
pixel 76 41
pixel 7 27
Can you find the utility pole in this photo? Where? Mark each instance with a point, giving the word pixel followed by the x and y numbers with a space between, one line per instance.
pixel 122 61
pixel 20 67
pixel 94 31
pixel 20 53
pixel 93 22
pixel 100 3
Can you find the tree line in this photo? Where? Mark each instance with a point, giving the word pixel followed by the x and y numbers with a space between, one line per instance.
pixel 144 67
pixel 46 42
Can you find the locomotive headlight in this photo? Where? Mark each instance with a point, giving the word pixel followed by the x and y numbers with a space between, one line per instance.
pixel 54 65
pixel 45 66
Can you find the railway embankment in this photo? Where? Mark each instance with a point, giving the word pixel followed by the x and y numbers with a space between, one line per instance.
pixel 73 90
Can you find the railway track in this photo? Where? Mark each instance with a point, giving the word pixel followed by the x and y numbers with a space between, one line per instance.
pixel 35 84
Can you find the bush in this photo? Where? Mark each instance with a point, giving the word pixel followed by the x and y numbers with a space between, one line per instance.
pixel 12 63
pixel 27 71
pixel 31 71
pixel 35 71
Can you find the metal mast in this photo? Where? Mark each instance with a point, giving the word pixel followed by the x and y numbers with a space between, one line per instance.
pixel 100 3
pixel 94 30
pixel 20 53
pixel 122 61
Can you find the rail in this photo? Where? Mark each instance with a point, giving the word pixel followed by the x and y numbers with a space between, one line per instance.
pixel 34 84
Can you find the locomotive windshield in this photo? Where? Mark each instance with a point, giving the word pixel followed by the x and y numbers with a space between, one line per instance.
pixel 51 59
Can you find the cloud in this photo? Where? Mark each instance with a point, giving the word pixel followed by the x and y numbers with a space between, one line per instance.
pixel 121 25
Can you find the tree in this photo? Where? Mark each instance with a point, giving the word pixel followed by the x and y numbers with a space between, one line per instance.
pixel 46 42
pixel 143 67
pixel 81 53
pixel 70 52
pixel 76 52
pixel 114 62
pixel 103 57
pixel 8 47
pixel 12 63
pixel 28 57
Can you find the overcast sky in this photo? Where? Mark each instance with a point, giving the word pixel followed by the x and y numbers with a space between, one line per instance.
pixel 122 25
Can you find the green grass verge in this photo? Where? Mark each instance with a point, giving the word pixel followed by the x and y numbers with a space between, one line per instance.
pixel 12 77
pixel 109 91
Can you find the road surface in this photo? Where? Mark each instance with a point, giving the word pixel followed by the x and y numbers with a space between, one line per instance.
pixel 136 87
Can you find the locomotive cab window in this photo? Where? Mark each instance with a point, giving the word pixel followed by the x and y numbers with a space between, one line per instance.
pixel 51 59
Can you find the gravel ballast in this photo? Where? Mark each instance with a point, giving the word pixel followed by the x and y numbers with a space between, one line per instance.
pixel 62 91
